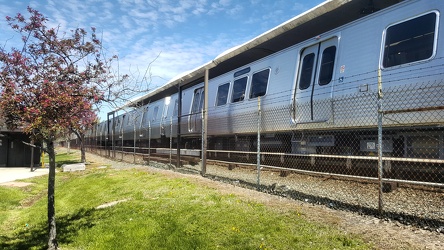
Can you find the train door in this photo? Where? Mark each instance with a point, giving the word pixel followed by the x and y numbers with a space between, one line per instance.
pixel 314 87
pixel 164 122
pixel 194 120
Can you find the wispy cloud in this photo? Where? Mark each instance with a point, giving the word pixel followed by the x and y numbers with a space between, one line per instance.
pixel 181 34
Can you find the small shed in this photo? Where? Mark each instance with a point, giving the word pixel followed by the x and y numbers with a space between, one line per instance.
pixel 13 150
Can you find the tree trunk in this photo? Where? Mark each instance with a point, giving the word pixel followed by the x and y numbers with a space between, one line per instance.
pixel 52 241
pixel 82 148
pixel 81 137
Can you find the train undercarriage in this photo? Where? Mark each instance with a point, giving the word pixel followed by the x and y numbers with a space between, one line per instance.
pixel 408 154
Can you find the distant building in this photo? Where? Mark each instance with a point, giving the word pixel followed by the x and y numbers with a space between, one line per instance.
pixel 13 151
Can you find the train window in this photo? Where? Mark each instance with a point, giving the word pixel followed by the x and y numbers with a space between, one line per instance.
pixel 222 94
pixel 327 65
pixel 129 118
pixel 145 116
pixel 410 41
pixel 197 101
pixel 422 147
pixel 201 102
pixel 132 116
pixel 176 108
pixel 242 72
pixel 195 106
pixel 165 112
pixel 239 86
pixel 120 123
pixel 156 110
pixel 259 83
pixel 306 71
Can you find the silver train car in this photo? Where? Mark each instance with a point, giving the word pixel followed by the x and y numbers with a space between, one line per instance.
pixel 316 96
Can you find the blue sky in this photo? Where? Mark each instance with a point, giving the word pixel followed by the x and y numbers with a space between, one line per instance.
pixel 183 33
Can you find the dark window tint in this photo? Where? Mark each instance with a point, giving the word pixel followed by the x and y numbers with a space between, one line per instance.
pixel 196 100
pixel 222 94
pixel 156 110
pixel 120 122
pixel 239 86
pixel 242 72
pixel 327 65
pixel 306 71
pixel 259 83
pixel 410 41
pixel 165 111
pixel 130 118
pixel 145 118
pixel 201 101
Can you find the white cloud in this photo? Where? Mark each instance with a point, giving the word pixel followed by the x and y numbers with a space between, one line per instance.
pixel 186 33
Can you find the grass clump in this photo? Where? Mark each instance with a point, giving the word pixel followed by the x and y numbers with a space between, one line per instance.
pixel 156 212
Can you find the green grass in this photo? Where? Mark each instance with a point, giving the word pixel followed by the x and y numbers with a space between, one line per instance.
pixel 64 157
pixel 159 213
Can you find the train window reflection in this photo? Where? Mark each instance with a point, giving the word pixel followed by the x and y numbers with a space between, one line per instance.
pixel 222 94
pixel 410 41
pixel 306 71
pixel 176 108
pixel 239 89
pixel 196 99
pixel 156 110
pixel 145 117
pixel 259 83
pixel 201 101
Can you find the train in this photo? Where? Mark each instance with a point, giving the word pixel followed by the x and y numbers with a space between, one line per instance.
pixel 322 90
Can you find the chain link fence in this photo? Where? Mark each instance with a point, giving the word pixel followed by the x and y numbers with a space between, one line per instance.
pixel 375 149
pixel 379 150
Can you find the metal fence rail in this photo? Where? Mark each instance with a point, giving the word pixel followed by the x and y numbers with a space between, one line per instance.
pixel 378 149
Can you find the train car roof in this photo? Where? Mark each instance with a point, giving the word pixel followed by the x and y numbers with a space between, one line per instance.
pixel 320 19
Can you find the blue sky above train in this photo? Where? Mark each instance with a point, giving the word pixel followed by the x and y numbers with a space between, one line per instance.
pixel 185 34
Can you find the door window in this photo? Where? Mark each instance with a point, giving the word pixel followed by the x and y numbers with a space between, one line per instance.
pixel 306 71
pixel 327 63
pixel 197 101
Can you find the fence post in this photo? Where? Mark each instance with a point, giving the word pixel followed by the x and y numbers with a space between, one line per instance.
pixel 32 156
pixel 134 142
pixel 380 163
pixel 121 147
pixel 203 145
pixel 205 124
pixel 258 154
pixel 149 142
pixel 171 138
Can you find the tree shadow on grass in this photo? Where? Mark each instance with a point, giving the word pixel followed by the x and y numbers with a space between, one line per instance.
pixel 36 236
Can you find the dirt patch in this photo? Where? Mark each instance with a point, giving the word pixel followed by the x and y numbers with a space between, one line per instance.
pixel 15 184
pixel 110 204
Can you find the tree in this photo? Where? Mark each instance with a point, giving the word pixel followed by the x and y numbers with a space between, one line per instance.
pixel 50 85
pixel 83 119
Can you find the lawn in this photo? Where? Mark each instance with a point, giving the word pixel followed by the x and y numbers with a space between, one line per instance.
pixel 152 211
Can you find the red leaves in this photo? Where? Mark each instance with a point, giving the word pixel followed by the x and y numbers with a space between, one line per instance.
pixel 48 84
